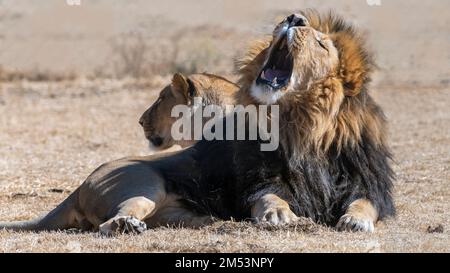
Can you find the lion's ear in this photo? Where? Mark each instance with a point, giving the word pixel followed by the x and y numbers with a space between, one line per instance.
pixel 354 73
pixel 351 89
pixel 355 64
pixel 353 82
pixel 182 87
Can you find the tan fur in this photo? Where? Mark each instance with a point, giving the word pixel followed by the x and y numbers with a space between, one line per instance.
pixel 120 196
pixel 157 121
pixel 271 208
pixel 360 216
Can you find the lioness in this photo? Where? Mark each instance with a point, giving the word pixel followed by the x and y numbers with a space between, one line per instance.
pixel 157 121
pixel 332 164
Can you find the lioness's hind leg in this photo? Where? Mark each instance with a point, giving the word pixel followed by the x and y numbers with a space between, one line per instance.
pixel 177 215
pixel 361 215
pixel 130 216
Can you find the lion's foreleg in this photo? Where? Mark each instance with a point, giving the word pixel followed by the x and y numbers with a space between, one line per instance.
pixel 361 215
pixel 271 208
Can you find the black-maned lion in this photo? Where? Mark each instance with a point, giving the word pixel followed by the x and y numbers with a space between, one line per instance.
pixel 332 164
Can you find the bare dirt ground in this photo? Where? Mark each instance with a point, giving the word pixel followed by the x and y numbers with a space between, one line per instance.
pixel 54 134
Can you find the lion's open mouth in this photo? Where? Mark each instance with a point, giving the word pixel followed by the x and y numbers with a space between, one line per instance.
pixel 278 69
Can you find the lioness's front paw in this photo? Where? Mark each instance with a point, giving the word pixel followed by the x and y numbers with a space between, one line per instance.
pixel 277 216
pixel 350 222
pixel 122 224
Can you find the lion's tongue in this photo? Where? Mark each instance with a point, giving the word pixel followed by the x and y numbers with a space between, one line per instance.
pixel 271 74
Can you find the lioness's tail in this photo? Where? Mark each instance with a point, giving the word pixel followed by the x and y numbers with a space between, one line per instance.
pixel 62 217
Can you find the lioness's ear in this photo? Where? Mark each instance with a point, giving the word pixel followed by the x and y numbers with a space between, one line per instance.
pixel 182 87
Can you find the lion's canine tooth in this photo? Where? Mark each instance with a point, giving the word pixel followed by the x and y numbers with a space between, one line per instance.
pixel 274 80
pixel 263 76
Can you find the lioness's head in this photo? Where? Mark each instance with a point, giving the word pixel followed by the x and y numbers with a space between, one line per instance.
pixel 304 49
pixel 157 121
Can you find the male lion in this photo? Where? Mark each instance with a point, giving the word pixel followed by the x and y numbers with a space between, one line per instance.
pixel 331 164
pixel 157 120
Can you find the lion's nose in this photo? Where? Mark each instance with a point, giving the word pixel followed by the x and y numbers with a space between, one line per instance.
pixel 297 20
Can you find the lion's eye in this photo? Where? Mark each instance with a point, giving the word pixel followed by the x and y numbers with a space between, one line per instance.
pixel 322 44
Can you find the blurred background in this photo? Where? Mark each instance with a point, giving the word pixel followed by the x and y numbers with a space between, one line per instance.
pixel 52 40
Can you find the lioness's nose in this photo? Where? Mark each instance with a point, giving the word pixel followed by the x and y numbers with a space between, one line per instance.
pixel 156 140
pixel 297 20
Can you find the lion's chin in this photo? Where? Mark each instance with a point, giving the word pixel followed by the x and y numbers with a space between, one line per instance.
pixel 265 94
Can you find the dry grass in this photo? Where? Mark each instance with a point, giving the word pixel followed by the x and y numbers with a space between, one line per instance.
pixel 54 134
pixel 189 50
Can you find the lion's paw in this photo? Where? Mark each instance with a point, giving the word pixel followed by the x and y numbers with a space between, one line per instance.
pixel 350 222
pixel 121 225
pixel 277 216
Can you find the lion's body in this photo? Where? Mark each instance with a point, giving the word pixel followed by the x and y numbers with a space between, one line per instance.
pixel 332 163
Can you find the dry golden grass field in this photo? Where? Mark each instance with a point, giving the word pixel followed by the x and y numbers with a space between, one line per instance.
pixel 70 101
pixel 52 141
